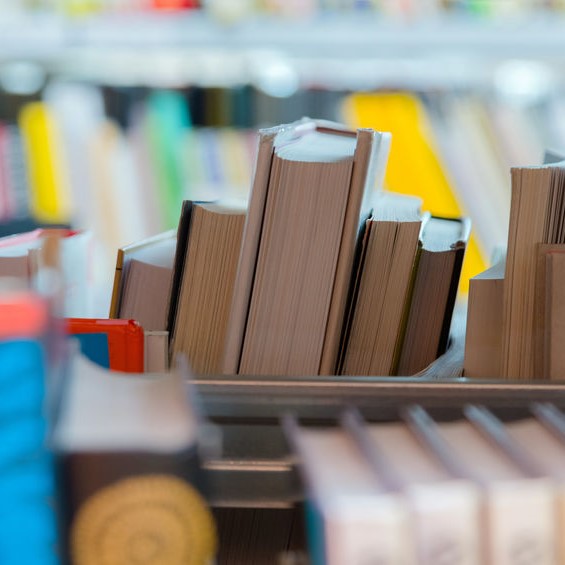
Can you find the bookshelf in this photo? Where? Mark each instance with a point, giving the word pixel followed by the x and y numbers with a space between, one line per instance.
pixel 365 49
pixel 343 53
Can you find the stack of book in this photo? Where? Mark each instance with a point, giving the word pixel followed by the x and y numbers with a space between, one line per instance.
pixel 474 490
pixel 322 272
pixel 514 326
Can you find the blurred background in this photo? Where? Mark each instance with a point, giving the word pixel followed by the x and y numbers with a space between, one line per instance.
pixel 114 111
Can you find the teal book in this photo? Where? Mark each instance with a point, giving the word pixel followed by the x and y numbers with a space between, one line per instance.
pixel 168 124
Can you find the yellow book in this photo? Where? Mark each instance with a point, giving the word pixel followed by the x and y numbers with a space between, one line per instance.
pixel 50 195
pixel 414 166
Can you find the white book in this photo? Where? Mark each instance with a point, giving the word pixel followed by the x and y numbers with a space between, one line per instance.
pixel 445 511
pixel 357 519
pixel 517 505
pixel 544 440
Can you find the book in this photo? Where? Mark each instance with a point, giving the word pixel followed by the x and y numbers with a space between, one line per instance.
pixel 543 438
pixel 143 281
pixel 483 342
pixel 383 287
pixel 23 256
pixel 156 351
pixel 406 116
pixel 50 195
pixel 28 511
pixel 129 469
pixel 205 282
pixel 310 197
pixel 114 344
pixel 515 498
pixel 535 218
pixel 549 360
pixel 352 516
pixel 445 511
pixel 444 242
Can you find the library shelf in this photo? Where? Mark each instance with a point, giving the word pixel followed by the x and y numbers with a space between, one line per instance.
pixel 256 469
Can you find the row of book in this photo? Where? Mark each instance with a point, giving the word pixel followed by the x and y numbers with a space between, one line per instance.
pixel 472 490
pixel 411 8
pixel 320 273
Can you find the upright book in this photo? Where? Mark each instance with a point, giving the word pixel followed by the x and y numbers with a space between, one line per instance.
pixel 143 279
pixel 310 197
pixel 204 283
pixel 536 217
pixel 444 242
pixel 129 470
pixel 383 287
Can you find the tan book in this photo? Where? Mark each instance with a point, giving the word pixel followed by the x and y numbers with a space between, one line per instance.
pixel 552 317
pixel 156 351
pixel 383 286
pixel 249 249
pixel 142 281
pixel 535 217
pixel 515 499
pixel 435 290
pixel 206 285
pixel 543 438
pixel 484 323
pixel 354 518
pixel 306 208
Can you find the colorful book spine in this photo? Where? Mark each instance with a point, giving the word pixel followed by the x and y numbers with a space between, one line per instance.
pixel 27 482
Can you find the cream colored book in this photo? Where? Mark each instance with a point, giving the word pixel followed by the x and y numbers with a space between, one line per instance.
pixel 383 288
pixel 156 351
pixel 207 283
pixel 445 511
pixel 484 323
pixel 543 438
pixel 354 518
pixel 517 504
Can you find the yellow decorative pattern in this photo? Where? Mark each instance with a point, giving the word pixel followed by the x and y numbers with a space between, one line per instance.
pixel 147 520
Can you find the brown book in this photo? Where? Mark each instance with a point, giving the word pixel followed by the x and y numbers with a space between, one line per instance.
pixel 550 361
pixel 207 282
pixel 384 281
pixel 307 205
pixel 535 217
pixel 484 323
pixel 142 282
pixel 435 289
pixel 130 478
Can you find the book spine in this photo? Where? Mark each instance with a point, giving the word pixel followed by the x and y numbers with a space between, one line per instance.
pixel 249 249
pixel 367 530
pixel 520 523
pixel 446 523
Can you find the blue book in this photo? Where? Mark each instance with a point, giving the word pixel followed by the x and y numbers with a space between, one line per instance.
pixel 27 486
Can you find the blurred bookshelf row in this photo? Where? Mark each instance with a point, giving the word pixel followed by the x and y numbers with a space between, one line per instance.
pixel 119 161
pixel 411 8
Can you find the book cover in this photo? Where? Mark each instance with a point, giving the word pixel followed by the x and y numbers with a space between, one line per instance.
pixel 115 344
pixel 129 470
